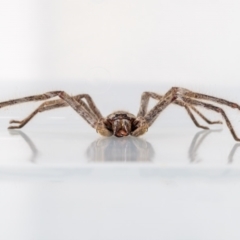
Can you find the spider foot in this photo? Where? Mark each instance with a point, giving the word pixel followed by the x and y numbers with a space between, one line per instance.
pixel 21 124
pixel 203 127
pixel 216 122
pixel 15 121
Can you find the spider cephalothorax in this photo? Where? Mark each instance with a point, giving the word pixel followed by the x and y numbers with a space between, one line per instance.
pixel 122 123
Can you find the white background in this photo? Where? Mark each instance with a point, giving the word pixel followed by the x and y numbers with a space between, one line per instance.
pixel 59 180
pixel 178 42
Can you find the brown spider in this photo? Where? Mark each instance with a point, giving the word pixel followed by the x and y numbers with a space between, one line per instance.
pixel 122 123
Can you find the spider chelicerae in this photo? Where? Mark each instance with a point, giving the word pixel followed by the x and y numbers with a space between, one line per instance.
pixel 122 123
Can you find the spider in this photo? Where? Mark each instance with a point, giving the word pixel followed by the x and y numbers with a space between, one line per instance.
pixel 122 123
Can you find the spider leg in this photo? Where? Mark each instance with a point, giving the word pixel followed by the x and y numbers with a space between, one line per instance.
pixel 143 122
pixel 52 104
pixel 194 119
pixel 91 104
pixel 145 101
pixel 188 107
pixel 79 106
pixel 191 116
pixel 182 94
pixel 204 118
pixel 191 94
pixel 48 105
pixel 214 108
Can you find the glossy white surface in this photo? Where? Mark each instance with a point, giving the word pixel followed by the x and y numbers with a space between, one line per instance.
pixel 60 180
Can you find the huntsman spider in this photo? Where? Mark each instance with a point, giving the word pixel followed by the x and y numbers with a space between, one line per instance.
pixel 122 123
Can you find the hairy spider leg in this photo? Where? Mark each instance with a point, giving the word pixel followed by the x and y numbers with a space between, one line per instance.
pixel 194 119
pixel 48 105
pixel 143 122
pixel 145 101
pixel 188 95
pixel 203 117
pixel 191 94
pixel 78 105
pixel 53 104
pixel 216 109
pixel 183 95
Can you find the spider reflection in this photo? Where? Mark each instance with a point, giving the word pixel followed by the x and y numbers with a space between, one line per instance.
pixel 128 149
pixel 120 149
pixel 29 142
pixel 197 141
pixel 232 153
